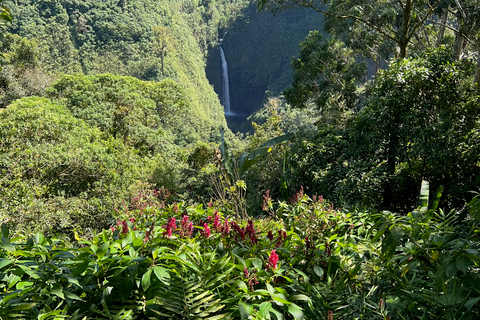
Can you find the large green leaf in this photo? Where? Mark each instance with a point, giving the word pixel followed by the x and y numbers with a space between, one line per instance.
pixel 245 310
pixel 424 194
pixel 245 161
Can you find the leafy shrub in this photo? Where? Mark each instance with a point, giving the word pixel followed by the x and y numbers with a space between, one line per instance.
pixel 57 172
pixel 165 259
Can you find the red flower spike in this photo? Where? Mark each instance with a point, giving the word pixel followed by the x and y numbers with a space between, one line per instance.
pixel 124 226
pixel 272 260
pixel 206 230
pixel 216 222
pixel 171 225
pixel 187 227
pixel 226 227
pixel 270 235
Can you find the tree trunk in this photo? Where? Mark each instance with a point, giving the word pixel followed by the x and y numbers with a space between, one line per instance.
pixel 391 165
pixel 443 23
pixel 458 46
pixel 405 37
pixel 161 58
pixel 477 73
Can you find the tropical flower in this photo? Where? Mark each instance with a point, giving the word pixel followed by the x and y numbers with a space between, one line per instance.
pixel 272 260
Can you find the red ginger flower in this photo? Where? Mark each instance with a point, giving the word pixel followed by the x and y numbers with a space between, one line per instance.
pixel 245 272
pixel 216 222
pixel 206 230
pixel 250 230
pixel 273 260
pixel 187 227
pixel 225 227
pixel 270 235
pixel 170 226
pixel 124 226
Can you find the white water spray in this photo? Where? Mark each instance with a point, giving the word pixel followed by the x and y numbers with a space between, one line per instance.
pixel 225 84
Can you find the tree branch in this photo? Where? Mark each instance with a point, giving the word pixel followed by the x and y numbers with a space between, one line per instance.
pixel 326 13
pixel 422 21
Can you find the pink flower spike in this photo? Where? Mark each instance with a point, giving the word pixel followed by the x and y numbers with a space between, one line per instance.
pixel 216 222
pixel 273 260
pixel 226 227
pixel 124 227
pixel 206 230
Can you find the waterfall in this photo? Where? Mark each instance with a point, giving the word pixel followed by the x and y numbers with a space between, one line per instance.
pixel 225 85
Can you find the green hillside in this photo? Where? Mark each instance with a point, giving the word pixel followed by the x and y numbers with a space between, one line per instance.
pixel 149 40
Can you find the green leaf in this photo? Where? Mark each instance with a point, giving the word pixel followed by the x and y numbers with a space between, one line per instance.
pixel 79 268
pixel 241 285
pixel 257 263
pixel 318 270
pixel 270 289
pixel 277 314
pixel 242 261
pixel 72 280
pixel 471 302
pixel 245 310
pixel 299 297
pixel 125 287
pixel 58 291
pixel 424 194
pixel 264 309
pixel 7 245
pixel 137 242
pixel 260 292
pixel 434 204
pixel 463 262
pixel 5 231
pixel 24 284
pixel 39 238
pixel 244 162
pixel 72 296
pixel 23 306
pixel 146 280
pixel 451 270
pixel 45 316
pixel 281 299
pixel 397 232
pixel 296 311
pixel 162 274
pixel 5 262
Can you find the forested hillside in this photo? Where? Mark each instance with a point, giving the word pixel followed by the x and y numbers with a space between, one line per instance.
pixel 133 72
pixel 149 40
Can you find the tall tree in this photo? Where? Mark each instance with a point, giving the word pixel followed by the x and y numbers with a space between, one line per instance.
pixel 326 74
pixel 162 42
pixel 379 22
pixel 420 113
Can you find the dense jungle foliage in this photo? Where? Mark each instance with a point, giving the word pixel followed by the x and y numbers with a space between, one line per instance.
pixel 123 194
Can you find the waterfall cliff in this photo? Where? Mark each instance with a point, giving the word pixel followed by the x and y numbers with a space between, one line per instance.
pixel 225 85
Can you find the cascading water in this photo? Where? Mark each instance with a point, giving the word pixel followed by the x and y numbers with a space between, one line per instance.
pixel 225 85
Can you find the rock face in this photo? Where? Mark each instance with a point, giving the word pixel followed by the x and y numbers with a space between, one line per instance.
pixel 259 48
